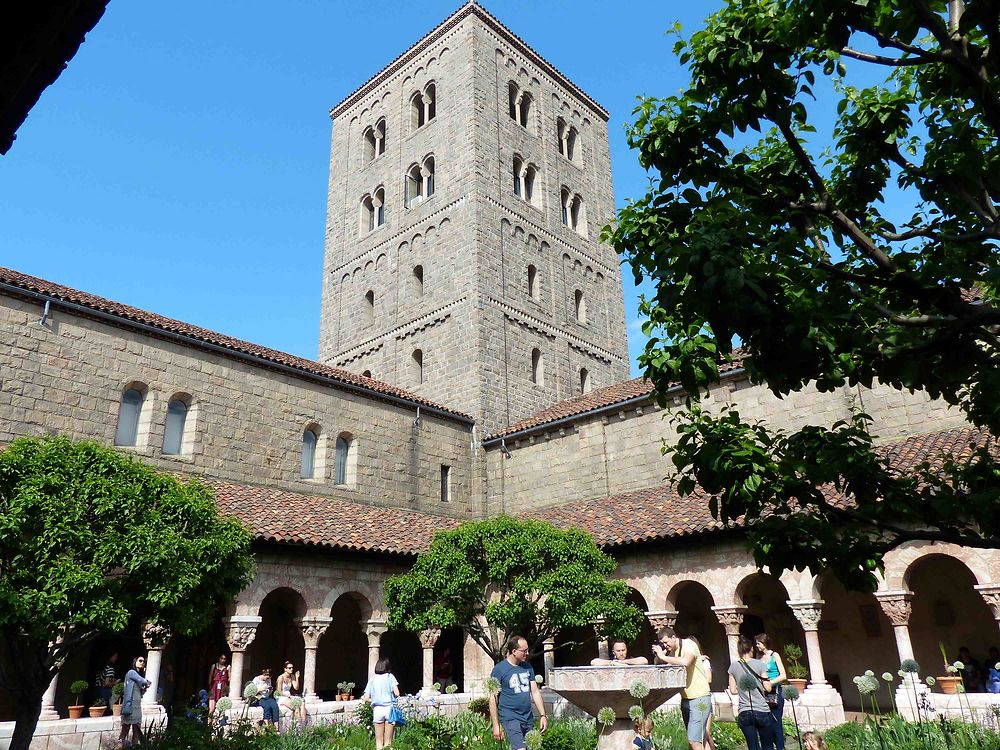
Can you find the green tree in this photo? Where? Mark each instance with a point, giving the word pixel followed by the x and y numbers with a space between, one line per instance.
pixel 866 253
pixel 503 576
pixel 91 539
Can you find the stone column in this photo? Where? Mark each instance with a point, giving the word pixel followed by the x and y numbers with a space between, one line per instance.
pixel 731 618
pixel 991 595
pixel 603 647
pixel 549 656
pixel 48 710
pixel 808 613
pixel 312 630
pixel 240 632
pixel 897 607
pixel 428 638
pixel 155 638
pixel 661 618
pixel 374 629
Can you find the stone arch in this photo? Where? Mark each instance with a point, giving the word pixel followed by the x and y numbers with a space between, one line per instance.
pixel 766 600
pixel 693 602
pixel 279 636
pixel 342 655
pixel 899 562
pixel 366 597
pixel 642 645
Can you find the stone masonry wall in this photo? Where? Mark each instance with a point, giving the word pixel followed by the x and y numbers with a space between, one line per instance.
pixel 620 451
pixel 245 423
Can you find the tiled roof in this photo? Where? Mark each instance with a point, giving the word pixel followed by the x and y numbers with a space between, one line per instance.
pixel 588 402
pixel 317 521
pixel 469 8
pixel 660 512
pixel 133 314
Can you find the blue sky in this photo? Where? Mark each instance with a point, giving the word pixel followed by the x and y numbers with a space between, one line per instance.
pixel 179 164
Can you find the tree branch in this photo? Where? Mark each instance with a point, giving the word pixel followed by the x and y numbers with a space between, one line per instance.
pixel 892 62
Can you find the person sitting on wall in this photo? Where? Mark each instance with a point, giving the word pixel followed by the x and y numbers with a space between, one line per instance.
pixel 619 657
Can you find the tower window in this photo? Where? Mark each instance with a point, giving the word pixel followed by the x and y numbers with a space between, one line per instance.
pixel 518 168
pixel 537 367
pixel 580 306
pixel 418 281
pixel 345 460
pixel 532 282
pixel 512 93
pixel 369 306
pixel 524 179
pixel 525 110
pixel 584 380
pixel 417 367
pixel 378 199
pixel 366 374
pixel 380 135
pixel 374 142
pixel 420 181
pixel 370 146
pixel 573 211
pixel 417 112
pixel 566 136
pixel 445 484
pixel 373 211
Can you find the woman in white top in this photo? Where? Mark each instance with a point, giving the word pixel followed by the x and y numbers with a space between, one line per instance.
pixel 382 690
pixel 284 691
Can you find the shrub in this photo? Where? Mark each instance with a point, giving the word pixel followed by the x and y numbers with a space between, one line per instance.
pixel 570 734
pixel 480 706
pixel 668 730
pixel 77 689
pixel 365 715
pixel 727 735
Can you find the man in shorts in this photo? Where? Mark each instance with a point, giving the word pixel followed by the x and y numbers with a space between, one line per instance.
pixel 510 711
pixel 696 697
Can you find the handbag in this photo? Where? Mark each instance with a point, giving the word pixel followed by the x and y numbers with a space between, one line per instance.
pixel 127 703
pixel 396 716
pixel 770 698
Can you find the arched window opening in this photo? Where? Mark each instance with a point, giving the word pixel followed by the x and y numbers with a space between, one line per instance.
pixel 307 468
pixel 580 306
pixel 564 201
pixel 576 214
pixel 571 144
pixel 512 94
pixel 529 184
pixel 367 214
pixel 417 367
pixel 584 380
pixel 525 110
pixel 345 460
pixel 518 167
pixel 369 147
pixel 537 367
pixel 445 484
pixel 428 171
pixel 561 135
pixel 417 113
pixel 430 102
pixel 380 133
pixel 129 410
pixel 369 306
pixel 378 199
pixel 367 373
pixel 418 281
pixel 532 282
pixel 173 432
pixel 414 186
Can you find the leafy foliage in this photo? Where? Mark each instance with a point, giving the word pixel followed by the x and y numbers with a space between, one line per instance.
pixel 89 540
pixel 503 576
pixel 751 233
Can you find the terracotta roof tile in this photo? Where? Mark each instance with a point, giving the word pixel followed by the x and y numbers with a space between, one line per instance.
pixel 588 402
pixel 659 512
pixel 318 521
pixel 134 314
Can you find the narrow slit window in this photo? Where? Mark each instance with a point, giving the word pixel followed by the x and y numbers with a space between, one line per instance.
pixel 129 410
pixel 445 484
pixel 307 469
pixel 173 433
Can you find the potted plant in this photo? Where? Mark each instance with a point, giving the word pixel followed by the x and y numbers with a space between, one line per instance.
pixel 77 689
pixel 952 679
pixel 117 695
pixel 341 689
pixel 348 691
pixel 798 675
pixel 98 708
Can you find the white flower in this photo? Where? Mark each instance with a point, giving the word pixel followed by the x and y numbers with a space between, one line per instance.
pixel 951 669
pixel 869 673
pixel 539 679
pixel 635 713
pixel 606 716
pixel 960 688
pixel 867 684
pixel 452 688
pixel 639 690
pixel 931 681
pixel 958 665
pixel 492 686
pixel 887 676
pixel 901 673
pixel 857 680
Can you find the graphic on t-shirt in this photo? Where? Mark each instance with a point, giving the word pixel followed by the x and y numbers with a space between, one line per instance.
pixel 519 682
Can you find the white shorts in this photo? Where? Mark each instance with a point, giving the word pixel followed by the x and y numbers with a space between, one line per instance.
pixel 380 714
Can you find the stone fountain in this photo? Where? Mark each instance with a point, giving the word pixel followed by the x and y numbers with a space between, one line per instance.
pixel 593 688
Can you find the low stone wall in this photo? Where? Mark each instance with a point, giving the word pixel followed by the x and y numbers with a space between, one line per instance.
pixel 77 734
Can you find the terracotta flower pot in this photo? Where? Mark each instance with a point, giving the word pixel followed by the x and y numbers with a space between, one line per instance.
pixel 116 709
pixel 96 712
pixel 340 697
pixel 949 685
pixel 798 684
pixel 76 712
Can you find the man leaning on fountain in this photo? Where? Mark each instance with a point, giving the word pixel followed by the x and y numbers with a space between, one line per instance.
pixel 619 656
pixel 511 709
pixel 696 697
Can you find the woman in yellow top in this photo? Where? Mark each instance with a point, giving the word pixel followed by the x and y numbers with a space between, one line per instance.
pixel 696 697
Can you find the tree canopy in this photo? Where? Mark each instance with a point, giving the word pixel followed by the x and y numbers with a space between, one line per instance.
pixel 503 576
pixel 824 196
pixel 90 540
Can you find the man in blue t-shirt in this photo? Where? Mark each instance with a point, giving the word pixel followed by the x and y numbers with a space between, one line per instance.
pixel 511 709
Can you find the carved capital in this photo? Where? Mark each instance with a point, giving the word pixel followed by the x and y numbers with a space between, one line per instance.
pixel 664 618
pixel 240 631
pixel 896 605
pixel 731 618
pixel 808 613
pixel 312 629
pixel 154 635
pixel 429 637
pixel 374 629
